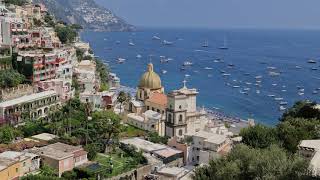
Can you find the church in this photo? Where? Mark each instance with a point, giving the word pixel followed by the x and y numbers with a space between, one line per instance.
pixel 173 114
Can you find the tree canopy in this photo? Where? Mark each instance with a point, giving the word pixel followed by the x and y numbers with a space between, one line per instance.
pixel 10 78
pixel 248 163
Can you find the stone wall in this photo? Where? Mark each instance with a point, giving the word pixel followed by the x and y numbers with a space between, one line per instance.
pixel 136 174
pixel 15 92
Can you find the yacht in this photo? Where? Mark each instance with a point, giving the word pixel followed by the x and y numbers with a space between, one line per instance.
pixel 205 44
pixel 131 43
pixel 258 77
pixel 121 60
pixel 272 73
pixel 187 63
pixel 314 68
pixel 283 103
pixel 300 93
pixel 208 68
pixel 258 91
pixel 271 95
pixel 156 38
pixel 224 47
pixel 314 92
pixel 138 56
pixel 226 74
pixel 165 42
pixel 163 71
pixel 278 99
pixel 236 86
pixel 311 61
pixel 282 108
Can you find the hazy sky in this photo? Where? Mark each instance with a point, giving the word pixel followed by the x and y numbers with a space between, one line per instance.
pixel 297 14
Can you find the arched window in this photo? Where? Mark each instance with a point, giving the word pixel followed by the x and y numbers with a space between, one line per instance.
pixel 180 107
pixel 180 132
pixel 180 118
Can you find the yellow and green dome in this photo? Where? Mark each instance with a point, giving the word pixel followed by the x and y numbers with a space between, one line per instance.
pixel 150 79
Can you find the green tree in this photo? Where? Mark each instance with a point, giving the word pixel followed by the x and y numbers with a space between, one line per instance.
pixel 10 78
pixel 107 125
pixel 259 136
pixel 122 97
pixel 293 130
pixel 8 134
pixel 302 109
pixel 65 33
pixel 245 163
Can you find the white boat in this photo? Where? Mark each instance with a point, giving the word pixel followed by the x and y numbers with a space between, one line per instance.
pixel 236 86
pixel 121 60
pixel 225 46
pixel 282 108
pixel 138 56
pixel 216 61
pixel 258 77
pixel 314 68
pixel 243 92
pixel 163 71
pixel 283 103
pixel 298 67
pixel 271 95
pixel 314 92
pixel 186 75
pixel 271 68
pixel 283 90
pixel 205 44
pixel 187 63
pixel 272 73
pixel 208 68
pixel 274 84
pixel 246 89
pixel 300 93
pixel 278 99
pixel 226 74
pixel 156 38
pixel 131 43
pixel 248 83
pixel 258 91
pixel 165 42
pixel 311 61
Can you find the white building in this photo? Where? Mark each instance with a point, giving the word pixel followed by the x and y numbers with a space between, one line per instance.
pixel 182 115
pixel 310 149
pixel 149 121
pixel 35 105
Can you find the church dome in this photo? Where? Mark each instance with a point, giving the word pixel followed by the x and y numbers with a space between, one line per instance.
pixel 150 79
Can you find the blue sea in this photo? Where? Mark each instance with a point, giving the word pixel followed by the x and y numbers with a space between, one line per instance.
pixel 261 67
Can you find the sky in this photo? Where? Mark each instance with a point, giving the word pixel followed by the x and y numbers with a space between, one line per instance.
pixel 274 14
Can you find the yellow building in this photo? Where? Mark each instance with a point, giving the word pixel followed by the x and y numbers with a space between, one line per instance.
pixel 147 110
pixel 9 169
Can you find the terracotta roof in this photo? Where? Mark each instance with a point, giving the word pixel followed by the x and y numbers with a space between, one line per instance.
pixel 158 98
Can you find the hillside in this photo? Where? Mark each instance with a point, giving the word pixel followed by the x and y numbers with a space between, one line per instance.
pixel 86 13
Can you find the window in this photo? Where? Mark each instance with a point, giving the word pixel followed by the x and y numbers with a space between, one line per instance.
pixel 180 118
pixel 170 117
pixel 180 132
pixel 152 126
pixel 24 164
pixel 152 108
pixel 17 169
pixel 148 107
pixel 180 107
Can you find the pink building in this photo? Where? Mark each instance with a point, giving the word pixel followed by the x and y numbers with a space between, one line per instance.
pixel 62 157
